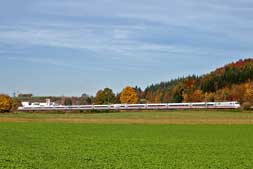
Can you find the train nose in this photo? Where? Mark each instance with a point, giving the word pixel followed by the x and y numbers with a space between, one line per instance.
pixel 237 105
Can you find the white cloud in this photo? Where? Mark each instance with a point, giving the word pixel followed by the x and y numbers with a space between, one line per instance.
pixel 77 24
pixel 221 19
pixel 115 40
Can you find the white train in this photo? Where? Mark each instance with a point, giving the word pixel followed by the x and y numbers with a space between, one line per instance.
pixel 156 106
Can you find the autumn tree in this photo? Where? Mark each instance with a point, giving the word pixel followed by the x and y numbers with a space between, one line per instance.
pixel 237 93
pixel 129 96
pixel 209 97
pixel 198 96
pixel 166 97
pixel 117 98
pixel 105 96
pixel 187 97
pixel 248 95
pixel 5 103
pixel 177 94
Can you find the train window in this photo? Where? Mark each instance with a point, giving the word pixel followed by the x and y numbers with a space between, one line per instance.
pixel 156 105
pixel 136 105
pixel 101 106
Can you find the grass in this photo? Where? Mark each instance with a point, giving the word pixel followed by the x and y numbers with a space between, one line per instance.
pixel 134 114
pixel 64 145
pixel 165 117
pixel 45 141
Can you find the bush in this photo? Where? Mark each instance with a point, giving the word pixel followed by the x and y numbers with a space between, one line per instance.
pixel 15 104
pixel 246 106
pixel 5 103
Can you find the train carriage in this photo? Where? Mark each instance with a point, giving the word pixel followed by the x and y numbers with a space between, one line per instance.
pixel 159 106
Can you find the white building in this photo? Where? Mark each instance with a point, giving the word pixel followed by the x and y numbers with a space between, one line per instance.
pixel 48 103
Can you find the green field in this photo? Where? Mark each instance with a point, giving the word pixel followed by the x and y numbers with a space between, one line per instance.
pixel 61 145
pixel 56 144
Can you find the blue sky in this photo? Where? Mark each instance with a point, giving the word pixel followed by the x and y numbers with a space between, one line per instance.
pixel 69 47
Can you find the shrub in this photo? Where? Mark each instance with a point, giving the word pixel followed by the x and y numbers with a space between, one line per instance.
pixel 5 103
pixel 246 106
pixel 15 104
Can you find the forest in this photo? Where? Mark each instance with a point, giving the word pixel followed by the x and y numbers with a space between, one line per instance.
pixel 233 82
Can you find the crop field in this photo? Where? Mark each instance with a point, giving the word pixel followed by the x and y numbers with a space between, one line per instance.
pixel 49 141
pixel 151 117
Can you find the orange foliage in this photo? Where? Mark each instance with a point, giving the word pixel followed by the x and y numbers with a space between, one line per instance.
pixel 5 103
pixel 129 96
pixel 198 96
pixel 248 95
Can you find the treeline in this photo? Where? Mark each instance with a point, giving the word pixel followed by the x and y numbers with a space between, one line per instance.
pixel 128 95
pixel 232 82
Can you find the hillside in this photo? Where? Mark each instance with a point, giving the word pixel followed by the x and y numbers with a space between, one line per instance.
pixel 233 82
